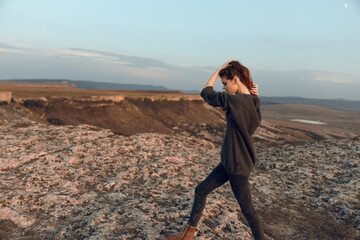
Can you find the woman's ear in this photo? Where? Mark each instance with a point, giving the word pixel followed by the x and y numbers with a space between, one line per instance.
pixel 237 80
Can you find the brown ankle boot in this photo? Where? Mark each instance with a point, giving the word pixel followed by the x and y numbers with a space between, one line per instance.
pixel 187 234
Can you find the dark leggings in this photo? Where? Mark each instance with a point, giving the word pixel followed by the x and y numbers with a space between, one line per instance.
pixel 241 189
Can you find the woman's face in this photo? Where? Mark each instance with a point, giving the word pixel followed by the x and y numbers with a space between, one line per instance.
pixel 229 86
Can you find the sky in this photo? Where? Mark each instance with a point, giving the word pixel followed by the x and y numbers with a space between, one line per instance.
pixel 294 48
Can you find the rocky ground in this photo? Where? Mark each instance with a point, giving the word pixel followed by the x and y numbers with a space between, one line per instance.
pixel 85 182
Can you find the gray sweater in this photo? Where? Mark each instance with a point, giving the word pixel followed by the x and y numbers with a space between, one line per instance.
pixel 243 117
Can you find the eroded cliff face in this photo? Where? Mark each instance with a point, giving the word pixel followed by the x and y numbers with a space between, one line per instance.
pixel 126 116
pixel 187 115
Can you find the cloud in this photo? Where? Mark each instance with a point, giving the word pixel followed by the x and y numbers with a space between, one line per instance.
pixel 142 67
pixel 334 77
pixel 9 48
pixel 269 41
pixel 307 83
pixel 139 62
pixel 133 66
pixel 330 79
pixel 71 53
pixel 87 64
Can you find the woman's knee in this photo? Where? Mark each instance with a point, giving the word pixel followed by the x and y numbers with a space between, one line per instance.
pixel 200 191
pixel 248 211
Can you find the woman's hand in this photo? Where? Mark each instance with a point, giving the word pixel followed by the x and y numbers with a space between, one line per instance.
pixel 254 90
pixel 213 78
pixel 225 64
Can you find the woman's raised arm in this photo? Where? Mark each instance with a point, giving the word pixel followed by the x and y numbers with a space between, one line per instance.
pixel 213 78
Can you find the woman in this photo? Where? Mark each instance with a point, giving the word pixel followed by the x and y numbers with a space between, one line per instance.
pixel 237 153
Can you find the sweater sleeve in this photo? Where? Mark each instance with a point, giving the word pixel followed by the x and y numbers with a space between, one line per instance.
pixel 215 99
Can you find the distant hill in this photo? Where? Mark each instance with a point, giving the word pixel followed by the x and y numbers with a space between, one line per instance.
pixel 328 103
pixel 94 85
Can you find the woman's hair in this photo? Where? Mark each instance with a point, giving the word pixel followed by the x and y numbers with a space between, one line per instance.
pixel 235 68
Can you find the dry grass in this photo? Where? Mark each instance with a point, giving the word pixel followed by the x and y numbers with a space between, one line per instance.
pixel 30 90
pixel 7 229
pixel 336 120
pixel 292 221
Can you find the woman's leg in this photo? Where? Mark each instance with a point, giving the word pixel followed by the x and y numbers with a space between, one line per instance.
pixel 215 179
pixel 241 189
